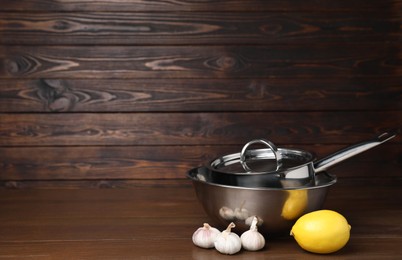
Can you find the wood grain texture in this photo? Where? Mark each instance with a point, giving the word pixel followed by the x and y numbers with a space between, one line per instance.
pixel 175 95
pixel 121 224
pixel 320 61
pixel 197 28
pixel 192 128
pixel 89 89
pixel 209 5
pixel 159 162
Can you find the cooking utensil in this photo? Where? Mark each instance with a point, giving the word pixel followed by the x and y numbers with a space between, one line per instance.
pixel 275 208
pixel 280 167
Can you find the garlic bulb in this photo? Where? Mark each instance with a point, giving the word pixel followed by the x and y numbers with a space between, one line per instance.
pixel 228 242
pixel 205 236
pixel 249 221
pixel 252 240
pixel 241 213
pixel 226 213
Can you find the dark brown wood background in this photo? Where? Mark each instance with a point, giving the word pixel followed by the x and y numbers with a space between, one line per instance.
pixel 105 93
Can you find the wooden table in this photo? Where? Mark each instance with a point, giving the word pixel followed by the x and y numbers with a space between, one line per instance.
pixel 156 221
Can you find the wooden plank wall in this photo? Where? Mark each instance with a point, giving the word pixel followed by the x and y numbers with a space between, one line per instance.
pixel 106 93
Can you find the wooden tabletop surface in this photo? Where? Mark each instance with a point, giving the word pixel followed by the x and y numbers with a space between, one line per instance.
pixel 156 221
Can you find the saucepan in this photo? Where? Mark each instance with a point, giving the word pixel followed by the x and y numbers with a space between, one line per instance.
pixel 280 167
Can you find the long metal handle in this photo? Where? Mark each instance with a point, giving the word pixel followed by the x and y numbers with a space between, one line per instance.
pixel 337 157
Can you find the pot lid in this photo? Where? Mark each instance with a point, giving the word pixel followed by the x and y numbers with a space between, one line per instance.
pixel 261 160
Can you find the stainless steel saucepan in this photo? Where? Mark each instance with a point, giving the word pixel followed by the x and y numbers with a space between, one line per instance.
pixel 280 167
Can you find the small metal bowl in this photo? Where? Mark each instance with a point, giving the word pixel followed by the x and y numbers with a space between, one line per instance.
pixel 275 208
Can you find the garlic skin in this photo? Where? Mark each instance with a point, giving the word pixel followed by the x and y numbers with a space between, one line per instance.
pixel 227 242
pixel 205 236
pixel 252 240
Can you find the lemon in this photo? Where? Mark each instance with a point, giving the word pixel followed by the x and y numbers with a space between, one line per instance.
pixel 295 204
pixel 322 231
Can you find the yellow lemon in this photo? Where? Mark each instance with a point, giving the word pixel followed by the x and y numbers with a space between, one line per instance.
pixel 322 231
pixel 295 204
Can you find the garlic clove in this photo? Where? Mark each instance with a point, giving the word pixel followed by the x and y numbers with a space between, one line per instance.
pixel 205 236
pixel 252 240
pixel 228 242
